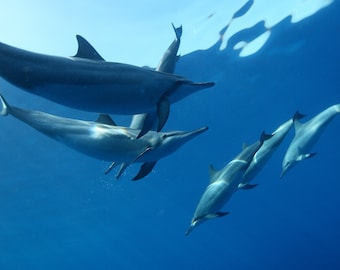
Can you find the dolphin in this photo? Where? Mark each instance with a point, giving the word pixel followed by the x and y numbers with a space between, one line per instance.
pixel 223 184
pixel 104 141
pixel 87 82
pixel 170 57
pixel 266 151
pixel 167 64
pixel 306 136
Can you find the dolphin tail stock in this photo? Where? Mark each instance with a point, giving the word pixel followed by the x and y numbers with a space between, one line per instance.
pixel 4 106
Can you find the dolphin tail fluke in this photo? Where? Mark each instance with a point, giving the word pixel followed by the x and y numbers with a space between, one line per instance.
pixel 178 31
pixel 4 106
pixel 144 170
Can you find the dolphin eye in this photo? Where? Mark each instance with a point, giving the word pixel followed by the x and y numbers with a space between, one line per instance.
pixel 164 136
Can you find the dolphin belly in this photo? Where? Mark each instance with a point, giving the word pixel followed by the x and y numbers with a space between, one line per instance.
pixel 105 100
pixel 213 199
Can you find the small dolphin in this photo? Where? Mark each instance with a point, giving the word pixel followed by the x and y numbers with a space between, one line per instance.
pixel 170 57
pixel 104 141
pixel 147 121
pixel 306 135
pixel 87 82
pixel 266 151
pixel 223 184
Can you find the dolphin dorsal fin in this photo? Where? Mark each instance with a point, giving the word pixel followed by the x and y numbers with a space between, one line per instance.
pixel 212 174
pixel 105 119
pixel 298 116
pixel 86 50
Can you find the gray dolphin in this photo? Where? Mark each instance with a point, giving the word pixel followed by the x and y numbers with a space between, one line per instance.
pixel 104 141
pixel 266 151
pixel 223 184
pixel 87 82
pixel 147 121
pixel 306 135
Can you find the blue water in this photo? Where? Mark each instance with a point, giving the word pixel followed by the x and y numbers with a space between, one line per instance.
pixel 59 211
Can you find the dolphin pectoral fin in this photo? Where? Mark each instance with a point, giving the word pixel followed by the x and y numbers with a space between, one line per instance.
pixel 310 155
pixel 148 123
pixel 246 186
pixel 217 214
pixel 201 85
pixel 163 110
pixel 305 156
pixel 86 50
pixel 105 119
pixel 221 214
pixel 144 170
pixel 111 166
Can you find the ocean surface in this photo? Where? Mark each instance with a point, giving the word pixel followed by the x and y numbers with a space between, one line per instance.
pixel 59 211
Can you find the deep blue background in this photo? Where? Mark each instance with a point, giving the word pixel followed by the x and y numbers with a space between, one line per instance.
pixel 58 210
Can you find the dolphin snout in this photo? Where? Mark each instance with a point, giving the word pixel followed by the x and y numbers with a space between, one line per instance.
pixel 192 226
pixel 285 168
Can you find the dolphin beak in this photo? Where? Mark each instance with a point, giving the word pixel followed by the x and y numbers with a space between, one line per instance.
pixel 195 132
pixel 185 136
pixel 284 170
pixel 282 173
pixel 192 226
